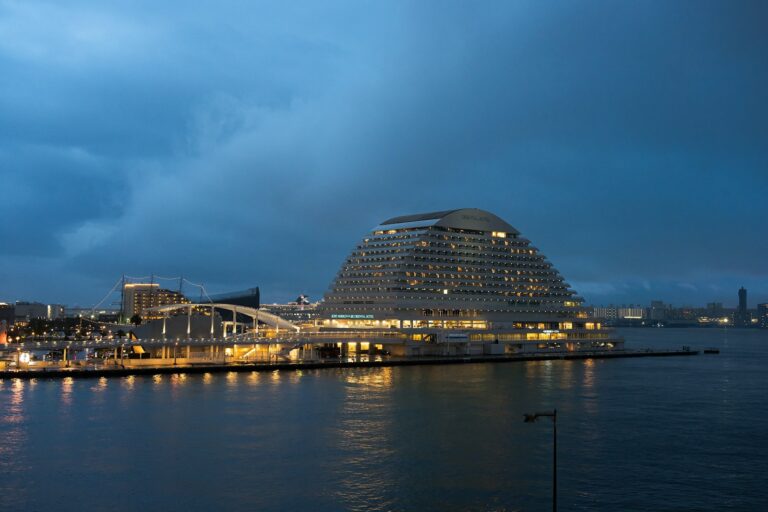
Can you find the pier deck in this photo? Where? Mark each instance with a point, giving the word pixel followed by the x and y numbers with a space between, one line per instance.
pixel 117 371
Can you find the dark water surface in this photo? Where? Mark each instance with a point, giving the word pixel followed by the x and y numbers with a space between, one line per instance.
pixel 677 433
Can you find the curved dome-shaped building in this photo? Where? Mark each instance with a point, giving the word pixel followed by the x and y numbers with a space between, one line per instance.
pixel 459 276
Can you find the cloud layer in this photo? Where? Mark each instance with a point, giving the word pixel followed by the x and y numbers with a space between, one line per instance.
pixel 254 144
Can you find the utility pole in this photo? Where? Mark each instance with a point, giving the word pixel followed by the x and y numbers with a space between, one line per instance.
pixel 531 418
pixel 122 301
pixel 151 290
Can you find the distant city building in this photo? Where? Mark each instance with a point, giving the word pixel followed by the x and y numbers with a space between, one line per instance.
pixel 606 313
pixel 614 313
pixel 138 297
pixel 7 313
pixel 683 314
pixel 742 318
pixel 715 309
pixel 108 317
pixel 94 314
pixel 55 311
pixel 762 315
pixel 658 311
pixel 26 311
pixel 631 313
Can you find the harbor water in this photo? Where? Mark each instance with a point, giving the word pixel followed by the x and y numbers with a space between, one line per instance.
pixel 657 433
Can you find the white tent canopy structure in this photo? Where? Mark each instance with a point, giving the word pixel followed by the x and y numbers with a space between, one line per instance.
pixel 255 315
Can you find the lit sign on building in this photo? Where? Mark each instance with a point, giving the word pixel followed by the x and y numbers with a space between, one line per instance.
pixel 353 316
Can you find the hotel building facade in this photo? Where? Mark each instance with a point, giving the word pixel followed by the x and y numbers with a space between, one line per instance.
pixel 457 282
pixel 139 297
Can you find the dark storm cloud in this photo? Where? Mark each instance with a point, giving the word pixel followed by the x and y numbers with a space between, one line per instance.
pixel 255 144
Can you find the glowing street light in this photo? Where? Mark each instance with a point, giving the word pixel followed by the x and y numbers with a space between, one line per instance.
pixel 531 418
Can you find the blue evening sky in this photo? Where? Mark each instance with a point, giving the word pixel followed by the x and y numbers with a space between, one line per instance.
pixel 244 143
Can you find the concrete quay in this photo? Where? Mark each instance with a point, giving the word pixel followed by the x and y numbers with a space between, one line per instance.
pixel 107 370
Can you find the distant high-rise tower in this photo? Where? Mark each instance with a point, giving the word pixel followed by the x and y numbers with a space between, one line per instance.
pixel 741 318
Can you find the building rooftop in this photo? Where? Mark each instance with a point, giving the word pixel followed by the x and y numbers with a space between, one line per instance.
pixel 472 219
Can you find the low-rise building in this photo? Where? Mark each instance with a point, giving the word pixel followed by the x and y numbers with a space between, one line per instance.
pixel 26 311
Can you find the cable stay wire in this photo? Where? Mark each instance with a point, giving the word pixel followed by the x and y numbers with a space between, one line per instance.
pixel 134 278
pixel 107 295
pixel 143 278
pixel 202 288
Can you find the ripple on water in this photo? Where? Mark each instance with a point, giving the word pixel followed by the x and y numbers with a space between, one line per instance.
pixel 682 433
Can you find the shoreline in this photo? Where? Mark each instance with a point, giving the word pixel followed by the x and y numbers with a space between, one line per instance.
pixel 314 365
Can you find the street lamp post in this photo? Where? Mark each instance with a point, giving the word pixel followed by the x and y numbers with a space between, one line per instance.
pixel 531 418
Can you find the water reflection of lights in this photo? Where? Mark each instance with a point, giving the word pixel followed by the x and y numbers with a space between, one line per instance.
pixel 101 385
pixel 566 374
pixel 157 379
pixel 295 377
pixel 207 378
pixel 589 373
pixel 253 378
pixel 541 371
pixel 129 382
pixel 66 390
pixel 232 378
pixel 381 378
pixel 178 378
pixel 15 438
pixel 14 413
pixel 589 395
pixel 364 438
pixel 17 398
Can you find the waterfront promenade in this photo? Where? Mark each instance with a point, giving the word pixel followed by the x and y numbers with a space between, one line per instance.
pixel 115 368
